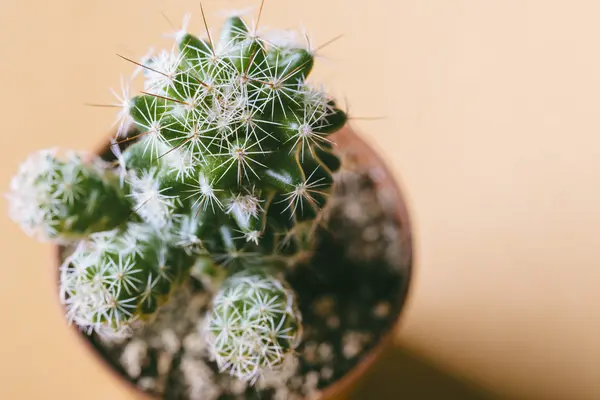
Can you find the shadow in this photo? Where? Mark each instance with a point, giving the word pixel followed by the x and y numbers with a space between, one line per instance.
pixel 399 374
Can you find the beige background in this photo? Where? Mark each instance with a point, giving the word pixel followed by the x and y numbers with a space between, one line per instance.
pixel 492 124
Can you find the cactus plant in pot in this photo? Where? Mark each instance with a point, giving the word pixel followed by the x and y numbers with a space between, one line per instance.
pixel 229 243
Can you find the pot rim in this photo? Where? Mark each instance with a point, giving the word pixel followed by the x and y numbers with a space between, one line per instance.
pixel 363 153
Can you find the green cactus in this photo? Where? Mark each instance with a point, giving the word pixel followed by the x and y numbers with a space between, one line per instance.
pixel 117 278
pixel 254 323
pixel 66 200
pixel 235 128
pixel 230 168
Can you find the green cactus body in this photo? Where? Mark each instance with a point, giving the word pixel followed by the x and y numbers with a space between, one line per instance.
pixel 66 200
pixel 233 132
pixel 117 278
pixel 229 170
pixel 254 325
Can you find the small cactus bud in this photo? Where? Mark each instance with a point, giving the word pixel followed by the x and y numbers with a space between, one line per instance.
pixel 114 279
pixel 61 200
pixel 254 324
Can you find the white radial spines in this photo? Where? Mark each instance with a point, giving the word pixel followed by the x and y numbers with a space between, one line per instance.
pixel 45 188
pixel 160 71
pixel 304 193
pixel 151 202
pixel 105 281
pixel 203 193
pixel 253 326
pixel 244 207
pixel 98 290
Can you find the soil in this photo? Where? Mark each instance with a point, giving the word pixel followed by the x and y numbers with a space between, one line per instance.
pixel 350 294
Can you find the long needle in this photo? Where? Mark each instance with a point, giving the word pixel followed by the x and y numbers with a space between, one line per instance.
pixel 212 46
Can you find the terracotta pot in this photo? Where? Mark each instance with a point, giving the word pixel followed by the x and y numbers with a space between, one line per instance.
pixel 356 152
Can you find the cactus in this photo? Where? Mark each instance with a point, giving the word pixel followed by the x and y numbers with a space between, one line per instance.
pixel 117 278
pixel 66 200
pixel 229 167
pixel 254 323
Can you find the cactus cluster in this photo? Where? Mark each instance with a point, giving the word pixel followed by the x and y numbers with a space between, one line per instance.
pixel 229 165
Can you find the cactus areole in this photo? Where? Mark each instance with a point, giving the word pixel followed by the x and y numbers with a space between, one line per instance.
pixel 229 167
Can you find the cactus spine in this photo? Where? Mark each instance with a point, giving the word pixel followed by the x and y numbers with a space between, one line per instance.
pixel 230 165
